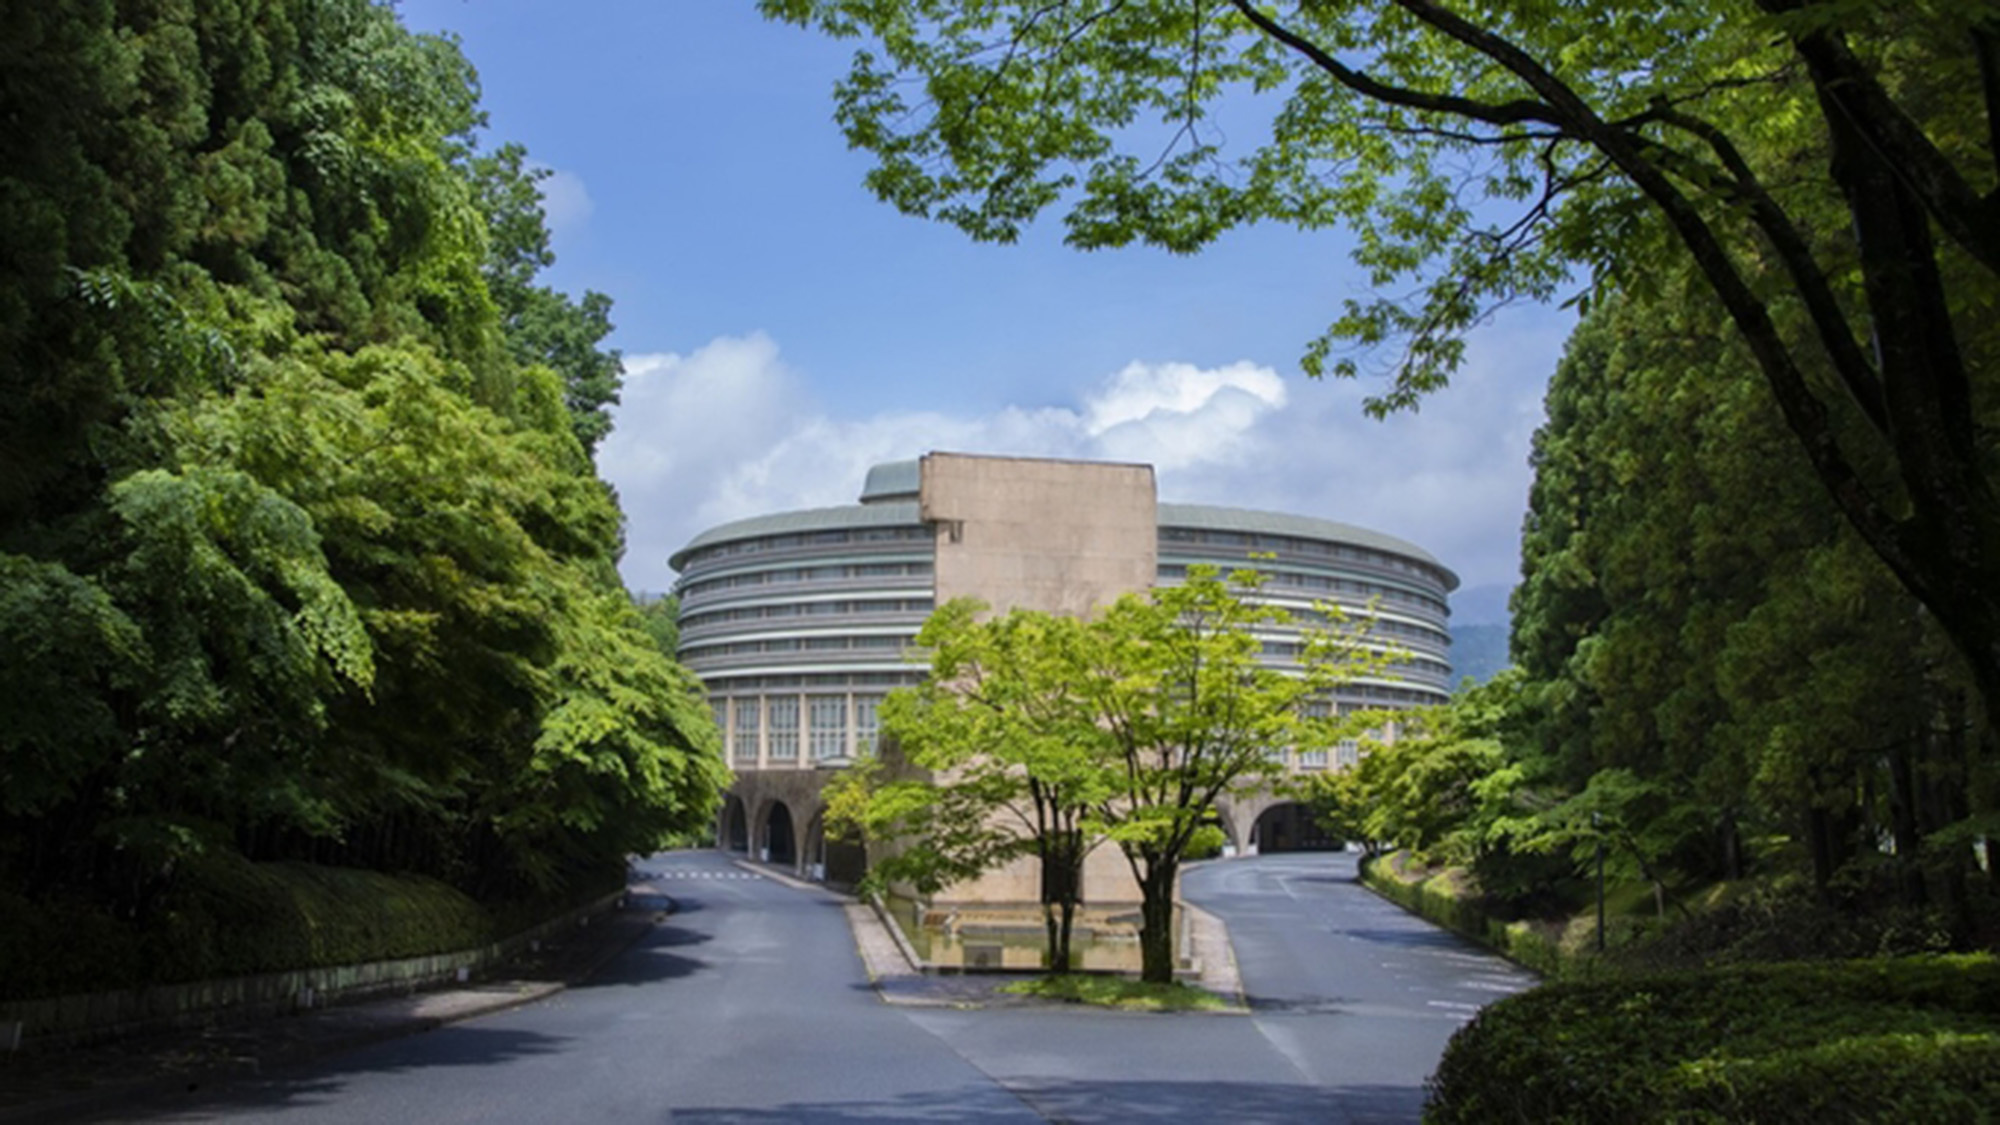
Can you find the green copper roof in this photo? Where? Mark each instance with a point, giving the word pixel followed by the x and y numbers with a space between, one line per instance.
pixel 1210 517
pixel 808 519
pixel 891 480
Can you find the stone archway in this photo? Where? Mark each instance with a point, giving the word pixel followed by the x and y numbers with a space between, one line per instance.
pixel 1231 843
pixel 735 832
pixel 777 836
pixel 1289 826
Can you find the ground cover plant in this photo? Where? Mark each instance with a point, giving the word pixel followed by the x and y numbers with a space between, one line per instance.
pixel 1106 991
pixel 1904 1039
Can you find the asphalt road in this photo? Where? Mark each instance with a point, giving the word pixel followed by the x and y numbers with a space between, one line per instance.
pixel 750 1005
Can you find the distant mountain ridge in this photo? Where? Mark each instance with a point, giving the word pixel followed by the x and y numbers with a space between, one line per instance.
pixel 1478 652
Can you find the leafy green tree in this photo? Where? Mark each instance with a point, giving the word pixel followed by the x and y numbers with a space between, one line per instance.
pixel 662 618
pixel 303 554
pixel 997 727
pixel 1822 168
pixel 1184 711
pixel 1705 640
pixel 1043 735
pixel 544 326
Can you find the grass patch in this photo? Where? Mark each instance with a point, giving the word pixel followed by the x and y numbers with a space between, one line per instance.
pixel 1118 992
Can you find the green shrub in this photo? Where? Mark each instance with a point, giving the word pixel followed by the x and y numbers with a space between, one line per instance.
pixel 230 917
pixel 1443 898
pixel 1877 1040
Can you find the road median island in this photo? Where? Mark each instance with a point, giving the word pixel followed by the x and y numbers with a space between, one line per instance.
pixel 901 977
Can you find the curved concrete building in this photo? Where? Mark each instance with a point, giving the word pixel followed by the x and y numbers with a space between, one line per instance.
pixel 797 621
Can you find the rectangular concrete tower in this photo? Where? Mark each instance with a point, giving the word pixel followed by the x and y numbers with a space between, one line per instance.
pixel 1057 536
pixel 1064 537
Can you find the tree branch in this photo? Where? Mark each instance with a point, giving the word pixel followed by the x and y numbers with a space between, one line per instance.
pixel 1803 411
pixel 1972 221
pixel 1859 376
pixel 1507 113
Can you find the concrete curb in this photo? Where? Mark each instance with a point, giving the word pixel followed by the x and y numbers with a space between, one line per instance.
pixel 1216 954
pixel 900 979
pixel 292 1040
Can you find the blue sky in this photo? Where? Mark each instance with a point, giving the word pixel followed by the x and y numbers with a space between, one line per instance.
pixel 783 330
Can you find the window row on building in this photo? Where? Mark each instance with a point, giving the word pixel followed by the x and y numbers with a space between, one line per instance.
pixel 801 541
pixel 835 642
pixel 791 728
pixel 857 607
pixel 1280 545
pixel 1278 580
pixel 797 574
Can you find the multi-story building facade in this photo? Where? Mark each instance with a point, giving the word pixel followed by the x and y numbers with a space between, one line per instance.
pixel 797 622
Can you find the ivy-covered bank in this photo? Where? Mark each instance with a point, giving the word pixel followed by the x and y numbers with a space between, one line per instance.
pixel 231 917
pixel 304 560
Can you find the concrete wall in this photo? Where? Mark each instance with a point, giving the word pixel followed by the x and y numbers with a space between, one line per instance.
pixel 1059 536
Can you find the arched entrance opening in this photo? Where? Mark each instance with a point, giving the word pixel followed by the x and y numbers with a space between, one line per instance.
pixel 778 842
pixel 1289 827
pixel 735 834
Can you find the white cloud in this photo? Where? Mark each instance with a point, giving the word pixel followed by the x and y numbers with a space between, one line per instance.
pixel 729 431
pixel 565 201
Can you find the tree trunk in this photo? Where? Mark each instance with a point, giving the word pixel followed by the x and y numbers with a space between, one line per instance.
pixel 1903 824
pixel 1156 923
pixel 1062 889
pixel 1819 841
pixel 1732 846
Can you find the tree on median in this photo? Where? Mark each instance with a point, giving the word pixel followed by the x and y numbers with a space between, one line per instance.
pixel 1186 709
pixel 1007 771
pixel 1128 726
pixel 1826 167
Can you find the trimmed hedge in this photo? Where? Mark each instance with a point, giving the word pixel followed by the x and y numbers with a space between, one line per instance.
pixel 1438 898
pixel 1916 1039
pixel 231 917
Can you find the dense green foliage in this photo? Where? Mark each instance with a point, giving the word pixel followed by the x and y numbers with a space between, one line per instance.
pixel 1449 899
pixel 1710 646
pixel 228 917
pixel 1889 1041
pixel 302 553
pixel 1715 680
